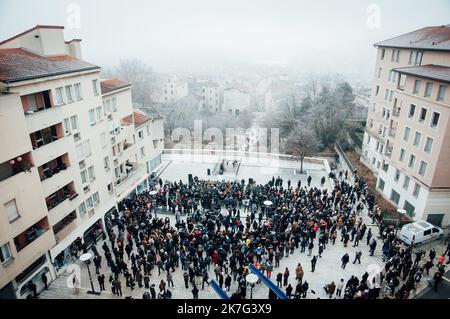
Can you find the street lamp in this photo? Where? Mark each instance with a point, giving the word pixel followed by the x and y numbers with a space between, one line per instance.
pixel 267 203
pixel 86 258
pixel 252 279
pixel 153 194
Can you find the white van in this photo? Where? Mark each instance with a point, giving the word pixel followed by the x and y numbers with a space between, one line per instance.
pixel 418 233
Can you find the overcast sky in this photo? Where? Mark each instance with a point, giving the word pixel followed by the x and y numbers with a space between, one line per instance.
pixel 176 33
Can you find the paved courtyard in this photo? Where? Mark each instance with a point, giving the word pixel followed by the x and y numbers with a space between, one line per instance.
pixel 327 269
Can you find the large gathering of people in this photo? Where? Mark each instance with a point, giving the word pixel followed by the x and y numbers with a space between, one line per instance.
pixel 222 226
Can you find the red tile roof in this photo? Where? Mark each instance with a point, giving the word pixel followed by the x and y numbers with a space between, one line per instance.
pixel 429 38
pixel 140 118
pixel 19 65
pixel 32 29
pixel 112 85
pixel 430 71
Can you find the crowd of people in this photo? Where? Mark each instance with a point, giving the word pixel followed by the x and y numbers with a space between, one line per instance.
pixel 226 226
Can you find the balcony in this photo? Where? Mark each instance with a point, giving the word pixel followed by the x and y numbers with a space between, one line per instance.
pixel 388 151
pixel 133 175
pixel 65 226
pixel 64 194
pixel 42 139
pixel 14 166
pixel 31 234
pixel 50 151
pixel 36 102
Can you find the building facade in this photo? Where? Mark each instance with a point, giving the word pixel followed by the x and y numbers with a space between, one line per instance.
pixel 174 90
pixel 235 100
pixel 70 152
pixel 406 142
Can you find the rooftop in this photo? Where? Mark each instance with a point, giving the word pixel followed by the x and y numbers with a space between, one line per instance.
pixel 112 85
pixel 429 38
pixel 32 29
pixel 19 65
pixel 430 71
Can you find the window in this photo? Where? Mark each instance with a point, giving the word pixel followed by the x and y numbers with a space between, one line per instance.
pixel 441 93
pixel 381 184
pixel 397 58
pixel 108 109
pixel 428 145
pixel 11 210
pixel 422 168
pixel 83 177
pixel 89 202
pixel 66 126
pixel 383 51
pixel 397 175
pixel 406 182
pixel 103 139
pixel 91 173
pixel 402 155
pixel 5 253
pixel 79 150
pixel 416 86
pixel 95 86
pixel 98 111
pixel 106 162
pixel 428 89
pixel 155 143
pixel 423 114
pixel 412 161
pixel 59 96
pixel 416 190
pixel 411 57
pixel 391 95
pixel 427 232
pixel 82 208
pixel 69 93
pixel 114 104
pixel 95 197
pixel 434 119
pixel 74 122
pixel 371 123
pixel 92 117
pixel 86 148
pixel 77 87
pixel 148 130
pixel 412 110
pixel 419 55
pixel 141 135
pixel 386 94
pixel 110 187
pixel 395 197
pixel 379 73
pixel 417 138
pixel 406 135
pixel 142 151
pixel 393 56
pixel 377 90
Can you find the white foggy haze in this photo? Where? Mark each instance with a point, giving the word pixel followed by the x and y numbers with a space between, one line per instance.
pixel 207 36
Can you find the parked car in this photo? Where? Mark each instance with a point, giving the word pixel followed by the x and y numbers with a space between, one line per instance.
pixel 420 232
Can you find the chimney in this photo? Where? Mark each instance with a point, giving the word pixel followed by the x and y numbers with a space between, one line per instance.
pixel 73 48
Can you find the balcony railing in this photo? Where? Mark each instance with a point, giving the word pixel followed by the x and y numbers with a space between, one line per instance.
pixel 15 166
pixel 134 172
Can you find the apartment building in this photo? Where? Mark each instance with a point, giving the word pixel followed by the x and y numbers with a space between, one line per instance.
pixel 174 90
pixel 407 138
pixel 236 100
pixel 211 97
pixel 69 154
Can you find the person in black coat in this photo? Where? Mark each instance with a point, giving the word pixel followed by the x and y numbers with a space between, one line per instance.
pixel 289 291
pixel 44 280
pixel 101 281
pixel 345 259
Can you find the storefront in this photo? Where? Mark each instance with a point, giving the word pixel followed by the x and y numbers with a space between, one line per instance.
pixel 94 233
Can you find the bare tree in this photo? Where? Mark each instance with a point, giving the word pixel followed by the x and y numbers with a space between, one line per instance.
pixel 302 142
pixel 140 75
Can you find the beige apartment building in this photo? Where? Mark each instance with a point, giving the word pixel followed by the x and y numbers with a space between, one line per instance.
pixel 72 148
pixel 407 138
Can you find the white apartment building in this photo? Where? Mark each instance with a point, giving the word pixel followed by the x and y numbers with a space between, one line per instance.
pixel 69 154
pixel 407 138
pixel 211 97
pixel 235 100
pixel 174 90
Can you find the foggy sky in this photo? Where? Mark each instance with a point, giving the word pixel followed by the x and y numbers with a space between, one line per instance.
pixel 191 34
